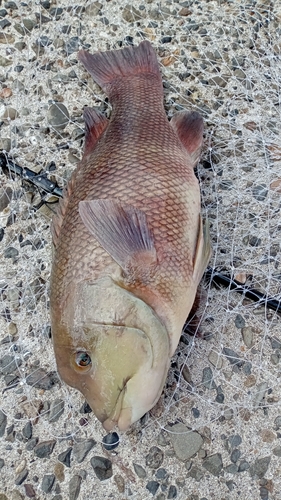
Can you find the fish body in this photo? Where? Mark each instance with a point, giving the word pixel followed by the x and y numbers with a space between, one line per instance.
pixel 129 249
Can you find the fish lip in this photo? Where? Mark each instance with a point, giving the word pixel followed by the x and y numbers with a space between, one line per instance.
pixel 112 419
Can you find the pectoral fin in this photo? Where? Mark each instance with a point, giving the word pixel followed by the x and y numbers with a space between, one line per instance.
pixel 203 250
pixel 123 232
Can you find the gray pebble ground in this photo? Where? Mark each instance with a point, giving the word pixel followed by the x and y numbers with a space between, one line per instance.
pixel 216 431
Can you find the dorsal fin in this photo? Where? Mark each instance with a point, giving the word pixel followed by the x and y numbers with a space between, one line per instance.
pixel 189 128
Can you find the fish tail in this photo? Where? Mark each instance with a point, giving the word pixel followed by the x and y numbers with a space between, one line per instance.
pixel 106 67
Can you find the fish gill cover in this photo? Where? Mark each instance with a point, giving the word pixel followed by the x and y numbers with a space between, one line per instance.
pixel 221 59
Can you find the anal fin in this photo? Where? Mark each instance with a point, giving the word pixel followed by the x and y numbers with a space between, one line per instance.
pixel 189 128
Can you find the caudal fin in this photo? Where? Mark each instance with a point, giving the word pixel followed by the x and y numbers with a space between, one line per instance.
pixel 105 67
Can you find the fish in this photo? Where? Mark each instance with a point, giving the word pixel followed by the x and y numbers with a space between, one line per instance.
pixel 130 247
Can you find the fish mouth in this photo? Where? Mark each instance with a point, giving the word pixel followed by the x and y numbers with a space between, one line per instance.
pixel 120 416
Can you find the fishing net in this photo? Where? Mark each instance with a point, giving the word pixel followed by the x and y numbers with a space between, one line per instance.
pixel 222 59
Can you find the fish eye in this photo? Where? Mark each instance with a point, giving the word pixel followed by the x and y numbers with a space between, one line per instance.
pixel 83 359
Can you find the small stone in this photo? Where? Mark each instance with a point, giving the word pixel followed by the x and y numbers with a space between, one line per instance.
pixel 64 457
pixel 59 472
pixel 74 487
pixel 275 358
pixel 21 477
pixel 56 410
pixel 42 379
pixel 9 364
pixel 161 473
pixel 259 467
pixel 78 133
pixel 10 433
pixel 268 436
pixel 82 448
pixel 239 321
pixel 2 463
pixel 3 423
pixel 235 455
pixel 152 487
pixel 5 62
pixel 27 430
pixel 72 45
pixel 215 359
pixel 219 81
pixel 85 408
pixel 102 467
pixel 166 39
pixel 154 458
pixel 248 336
pixel 231 469
pixel 16 495
pixel 56 12
pixel 110 441
pixel 195 412
pixel 140 471
pixel 260 192
pixel 172 493
pixel 93 9
pixel 5 144
pixel 43 41
pixel 234 441
pixel 5 197
pixel 45 448
pixel 213 464
pixel 259 394
pixel 30 445
pixel 233 357
pixel 29 490
pixel 48 482
pixel 120 483
pixel 196 473
pixel 10 253
pixel 220 395
pixel 58 116
pixel 277 451
pixel 186 373
pixel 244 465
pixel 4 23
pixel 241 75
pixel 275 344
pixel 230 485
pixel 130 14
pixel 10 113
pixel 277 422
pixel 264 493
pixel 185 11
pixel 208 378
pixel 186 443
pixel 6 38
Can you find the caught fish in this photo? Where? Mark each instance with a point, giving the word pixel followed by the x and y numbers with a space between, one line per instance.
pixel 129 248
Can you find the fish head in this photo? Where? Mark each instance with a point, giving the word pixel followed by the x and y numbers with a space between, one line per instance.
pixel 115 351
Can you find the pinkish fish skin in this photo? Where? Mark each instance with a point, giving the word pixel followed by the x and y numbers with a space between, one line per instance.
pixel 129 249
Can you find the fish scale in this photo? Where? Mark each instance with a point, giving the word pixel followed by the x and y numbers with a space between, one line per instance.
pixel 129 223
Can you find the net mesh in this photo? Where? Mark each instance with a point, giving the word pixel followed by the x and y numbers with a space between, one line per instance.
pixel 223 60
